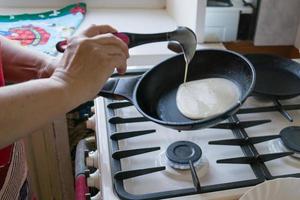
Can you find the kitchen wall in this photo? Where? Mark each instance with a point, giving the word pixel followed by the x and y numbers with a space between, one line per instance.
pixel 191 14
pixel 297 41
pixel 277 22
pixel 91 3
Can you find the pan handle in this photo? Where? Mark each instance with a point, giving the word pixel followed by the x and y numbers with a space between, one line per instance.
pixel 115 88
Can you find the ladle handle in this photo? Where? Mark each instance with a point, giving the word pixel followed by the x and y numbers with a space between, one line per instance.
pixel 116 88
pixel 131 39
pixel 62 45
pixel 136 39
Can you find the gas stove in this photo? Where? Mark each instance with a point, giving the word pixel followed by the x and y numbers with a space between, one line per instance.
pixel 138 159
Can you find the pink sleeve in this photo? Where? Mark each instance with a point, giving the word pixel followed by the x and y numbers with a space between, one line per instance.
pixel 5 153
pixel 1 69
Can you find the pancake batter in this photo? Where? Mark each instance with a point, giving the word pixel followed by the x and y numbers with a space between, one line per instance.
pixel 207 97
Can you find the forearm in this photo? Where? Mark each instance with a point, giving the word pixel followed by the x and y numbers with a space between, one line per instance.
pixel 27 106
pixel 80 74
pixel 20 63
pixel 16 54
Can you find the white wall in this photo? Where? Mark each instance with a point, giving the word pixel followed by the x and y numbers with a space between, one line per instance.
pixel 34 3
pixel 126 3
pixel 190 13
pixel 91 3
pixel 297 40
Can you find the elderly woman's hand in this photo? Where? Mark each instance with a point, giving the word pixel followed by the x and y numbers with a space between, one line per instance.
pixel 48 67
pixel 87 63
pixel 22 64
pixel 89 60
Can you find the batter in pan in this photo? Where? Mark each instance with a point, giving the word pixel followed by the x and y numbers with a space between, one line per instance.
pixel 206 97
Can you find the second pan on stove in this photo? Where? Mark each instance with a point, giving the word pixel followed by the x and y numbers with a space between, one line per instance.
pixel 276 77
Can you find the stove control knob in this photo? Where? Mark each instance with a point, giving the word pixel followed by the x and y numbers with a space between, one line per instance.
pixel 94 179
pixel 87 173
pixel 90 123
pixel 92 159
pixel 93 109
pixel 97 196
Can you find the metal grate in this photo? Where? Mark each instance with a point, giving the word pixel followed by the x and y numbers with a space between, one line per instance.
pixel 251 156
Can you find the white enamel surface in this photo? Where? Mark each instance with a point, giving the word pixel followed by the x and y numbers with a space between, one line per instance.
pixel 90 123
pixel 217 173
pixel 94 179
pixel 92 159
pixel 278 189
pixel 206 97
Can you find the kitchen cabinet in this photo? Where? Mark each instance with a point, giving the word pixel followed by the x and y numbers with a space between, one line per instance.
pixel 221 23
pixel 49 162
pixel 221 26
pixel 277 22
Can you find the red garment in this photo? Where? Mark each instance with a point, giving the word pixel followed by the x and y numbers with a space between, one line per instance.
pixel 5 153
pixel 1 70
pixel 81 187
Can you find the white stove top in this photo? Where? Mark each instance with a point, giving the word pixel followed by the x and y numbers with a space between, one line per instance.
pixel 171 179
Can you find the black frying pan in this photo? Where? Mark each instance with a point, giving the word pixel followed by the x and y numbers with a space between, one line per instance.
pixel 154 93
pixel 276 77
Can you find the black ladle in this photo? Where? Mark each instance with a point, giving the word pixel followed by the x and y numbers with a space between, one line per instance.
pixel 185 37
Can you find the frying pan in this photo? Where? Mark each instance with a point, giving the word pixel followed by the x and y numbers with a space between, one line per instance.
pixel 276 77
pixel 154 93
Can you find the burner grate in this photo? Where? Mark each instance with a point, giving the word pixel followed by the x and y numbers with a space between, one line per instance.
pixel 251 156
pixel 245 141
pixel 282 109
pixel 125 135
pixel 118 155
pixel 121 175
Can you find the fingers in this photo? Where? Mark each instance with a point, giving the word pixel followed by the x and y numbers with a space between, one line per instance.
pixel 102 34
pixel 121 63
pixel 116 58
pixel 121 70
pixel 98 30
pixel 110 39
pixel 106 47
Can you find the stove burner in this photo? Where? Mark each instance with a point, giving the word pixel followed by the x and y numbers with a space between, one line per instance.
pixel 176 160
pixel 182 172
pixel 290 137
pixel 181 152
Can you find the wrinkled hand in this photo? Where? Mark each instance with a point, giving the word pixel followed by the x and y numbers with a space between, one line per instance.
pixel 89 60
pixel 48 67
pixel 21 64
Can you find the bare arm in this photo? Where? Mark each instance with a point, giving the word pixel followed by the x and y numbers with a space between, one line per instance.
pixel 22 64
pixel 27 106
pixel 84 68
